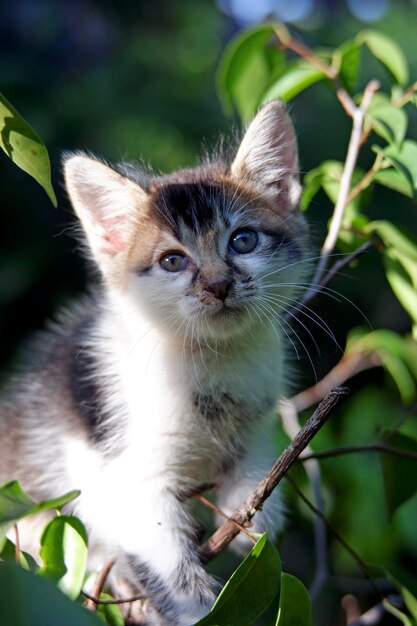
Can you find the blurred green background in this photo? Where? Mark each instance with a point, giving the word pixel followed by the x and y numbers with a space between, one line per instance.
pixel 136 80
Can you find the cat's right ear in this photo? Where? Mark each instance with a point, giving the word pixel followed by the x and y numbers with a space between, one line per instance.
pixel 267 155
pixel 107 204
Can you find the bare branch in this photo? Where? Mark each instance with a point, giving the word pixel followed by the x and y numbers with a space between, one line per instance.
pixel 98 587
pixel 16 544
pixel 377 446
pixel 291 426
pixel 224 535
pixel 376 614
pixel 216 509
pixel 346 368
pixel 339 265
pixel 94 600
pixel 355 143
pixel 361 564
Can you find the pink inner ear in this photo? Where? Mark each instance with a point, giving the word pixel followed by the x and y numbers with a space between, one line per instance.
pixel 115 234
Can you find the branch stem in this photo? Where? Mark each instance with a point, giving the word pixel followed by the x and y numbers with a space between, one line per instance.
pixel 224 535
pixel 355 142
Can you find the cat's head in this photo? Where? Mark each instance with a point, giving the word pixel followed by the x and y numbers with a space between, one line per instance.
pixel 208 251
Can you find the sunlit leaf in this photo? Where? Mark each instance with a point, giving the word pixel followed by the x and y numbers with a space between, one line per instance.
pixel 8 553
pixel 15 503
pixel 250 590
pixel 64 554
pixel 404 159
pixel 401 285
pixel 294 605
pixel 388 52
pixel 246 69
pixel 394 238
pixel 398 355
pixel 346 61
pixel 27 599
pixel 297 77
pixel 388 121
pixel 394 180
pixel 24 147
pixel 400 615
pixel 110 613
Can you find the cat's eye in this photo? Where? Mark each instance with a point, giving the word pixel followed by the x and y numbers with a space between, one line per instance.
pixel 173 262
pixel 243 241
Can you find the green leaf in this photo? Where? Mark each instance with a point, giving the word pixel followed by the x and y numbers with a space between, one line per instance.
pixel 394 180
pixel 388 52
pixel 399 473
pixel 111 614
pixel 400 167
pixel 389 122
pixel 24 147
pixel 15 503
pixel 402 617
pixel 400 260
pixel 245 70
pixel 393 238
pixel 346 61
pixel 294 604
pixel 398 356
pixel 64 554
pixel 295 79
pixel 404 159
pixel 8 553
pixel 402 285
pixel 250 590
pixel 29 600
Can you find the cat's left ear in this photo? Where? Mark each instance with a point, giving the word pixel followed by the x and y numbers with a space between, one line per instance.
pixel 107 204
pixel 268 156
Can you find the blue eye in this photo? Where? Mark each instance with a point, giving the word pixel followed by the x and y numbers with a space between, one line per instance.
pixel 173 262
pixel 243 241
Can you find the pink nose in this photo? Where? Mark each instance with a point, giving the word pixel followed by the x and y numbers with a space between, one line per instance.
pixel 220 289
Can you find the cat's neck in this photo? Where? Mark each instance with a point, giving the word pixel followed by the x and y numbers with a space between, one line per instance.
pixel 141 350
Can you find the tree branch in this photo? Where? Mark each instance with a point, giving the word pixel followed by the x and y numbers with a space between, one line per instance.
pixel 98 587
pixel 377 446
pixel 291 426
pixel 348 548
pixel 346 368
pixel 355 142
pixel 224 535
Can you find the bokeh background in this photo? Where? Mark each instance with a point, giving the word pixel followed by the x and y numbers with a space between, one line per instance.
pixel 136 80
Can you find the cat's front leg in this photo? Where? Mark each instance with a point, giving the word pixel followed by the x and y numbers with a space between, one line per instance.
pixel 159 558
pixel 239 482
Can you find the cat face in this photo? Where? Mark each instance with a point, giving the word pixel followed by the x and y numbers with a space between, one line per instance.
pixel 207 252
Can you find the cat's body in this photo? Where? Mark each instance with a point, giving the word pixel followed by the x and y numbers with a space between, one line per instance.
pixel 167 377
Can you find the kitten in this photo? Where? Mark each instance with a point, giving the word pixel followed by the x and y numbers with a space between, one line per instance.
pixel 166 377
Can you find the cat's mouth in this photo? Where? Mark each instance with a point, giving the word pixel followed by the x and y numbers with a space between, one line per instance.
pixel 226 312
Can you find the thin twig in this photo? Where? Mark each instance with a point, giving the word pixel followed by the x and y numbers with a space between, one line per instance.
pixel 339 265
pixel 366 180
pixel 224 535
pixel 100 582
pixel 96 600
pixel 216 509
pixel 375 614
pixel 361 564
pixel 377 446
pixel 346 368
pixel 309 55
pixel 16 544
pixel 355 143
pixel 291 426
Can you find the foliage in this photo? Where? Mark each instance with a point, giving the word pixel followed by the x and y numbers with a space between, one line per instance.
pixel 381 118
pixel 260 64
